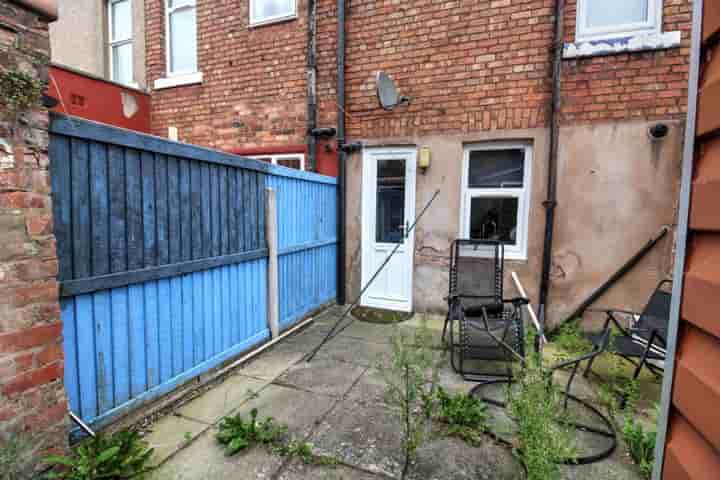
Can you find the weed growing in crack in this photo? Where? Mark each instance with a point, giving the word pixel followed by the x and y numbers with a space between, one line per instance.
pixel 237 434
pixel 119 456
pixel 641 442
pixel 464 415
pixel 410 383
pixel 571 342
pixel 535 405
pixel 305 452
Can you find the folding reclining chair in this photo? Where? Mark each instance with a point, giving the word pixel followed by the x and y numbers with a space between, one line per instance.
pixel 643 341
pixel 481 324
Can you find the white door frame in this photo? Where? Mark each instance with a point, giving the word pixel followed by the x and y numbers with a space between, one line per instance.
pixel 369 199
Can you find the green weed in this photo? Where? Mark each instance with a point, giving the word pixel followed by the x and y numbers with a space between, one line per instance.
pixel 237 434
pixel 13 456
pixel 641 444
pixel 122 455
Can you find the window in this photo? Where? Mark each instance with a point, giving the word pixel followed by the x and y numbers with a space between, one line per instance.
pixel 181 36
pixel 608 19
pixel 495 192
pixel 294 160
pixel 265 11
pixel 120 36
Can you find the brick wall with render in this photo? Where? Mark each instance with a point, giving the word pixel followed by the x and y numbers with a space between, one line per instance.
pixel 32 398
pixel 469 66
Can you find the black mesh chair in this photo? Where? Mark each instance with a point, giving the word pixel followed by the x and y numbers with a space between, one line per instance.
pixel 642 342
pixel 482 326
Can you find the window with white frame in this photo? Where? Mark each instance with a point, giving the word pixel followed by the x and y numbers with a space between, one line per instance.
pixel 120 36
pixel 290 160
pixel 181 37
pixel 607 19
pixel 495 195
pixel 265 11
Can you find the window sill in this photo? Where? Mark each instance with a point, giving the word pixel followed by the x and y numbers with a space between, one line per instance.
pixel 178 80
pixel 636 43
pixel 272 21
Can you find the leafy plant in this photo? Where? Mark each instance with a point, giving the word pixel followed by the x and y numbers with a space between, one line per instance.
pixel 304 451
pixel 464 415
pixel 410 384
pixel 120 456
pixel 13 455
pixel 571 341
pixel 535 405
pixel 18 90
pixel 237 434
pixel 640 443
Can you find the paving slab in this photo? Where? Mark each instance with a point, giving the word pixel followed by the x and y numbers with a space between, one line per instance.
pixel 323 375
pixel 357 351
pixel 272 363
pixel 222 398
pixel 205 459
pixel 370 332
pixel 297 470
pixel 297 409
pixel 367 437
pixel 453 459
pixel 369 389
pixel 170 434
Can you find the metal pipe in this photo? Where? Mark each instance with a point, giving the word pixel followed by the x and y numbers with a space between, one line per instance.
pixel 340 151
pixel 312 85
pixel 551 201
pixel 627 266
pixel 682 233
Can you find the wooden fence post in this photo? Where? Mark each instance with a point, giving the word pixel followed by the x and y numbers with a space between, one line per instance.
pixel 271 235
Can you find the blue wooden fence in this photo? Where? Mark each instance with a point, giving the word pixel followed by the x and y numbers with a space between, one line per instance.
pixel 163 259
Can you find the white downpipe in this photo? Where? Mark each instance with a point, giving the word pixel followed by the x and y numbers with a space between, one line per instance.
pixel 271 235
pixel 533 317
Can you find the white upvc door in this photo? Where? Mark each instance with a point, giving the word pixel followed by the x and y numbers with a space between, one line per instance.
pixel 388 210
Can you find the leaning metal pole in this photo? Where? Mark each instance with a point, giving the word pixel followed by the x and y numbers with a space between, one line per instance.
pixel 332 333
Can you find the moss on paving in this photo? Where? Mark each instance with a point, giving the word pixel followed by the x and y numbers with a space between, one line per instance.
pixel 379 316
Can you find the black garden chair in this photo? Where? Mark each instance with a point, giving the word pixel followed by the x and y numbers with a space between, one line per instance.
pixel 643 341
pixel 482 326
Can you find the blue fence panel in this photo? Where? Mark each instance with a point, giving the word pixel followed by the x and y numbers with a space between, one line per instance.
pixel 163 259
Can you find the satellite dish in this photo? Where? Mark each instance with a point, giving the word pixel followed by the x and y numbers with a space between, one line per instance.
pixel 387 92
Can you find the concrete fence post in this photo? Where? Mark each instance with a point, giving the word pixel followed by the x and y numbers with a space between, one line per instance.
pixel 271 235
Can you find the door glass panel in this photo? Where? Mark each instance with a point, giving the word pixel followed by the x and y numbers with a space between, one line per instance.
pixel 390 212
pixel 496 168
pixel 494 218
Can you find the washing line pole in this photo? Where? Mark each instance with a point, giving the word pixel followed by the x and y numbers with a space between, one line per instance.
pixel 332 333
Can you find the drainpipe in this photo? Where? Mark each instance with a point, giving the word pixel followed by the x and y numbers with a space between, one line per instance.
pixel 341 150
pixel 312 85
pixel 551 201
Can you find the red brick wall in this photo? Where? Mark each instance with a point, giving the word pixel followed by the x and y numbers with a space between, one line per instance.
pixel 32 398
pixel 469 65
pixel 254 89
pixel 650 85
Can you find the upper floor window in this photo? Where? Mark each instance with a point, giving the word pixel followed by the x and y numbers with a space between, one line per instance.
pixel 607 19
pixel 264 11
pixel 294 160
pixel 181 37
pixel 120 35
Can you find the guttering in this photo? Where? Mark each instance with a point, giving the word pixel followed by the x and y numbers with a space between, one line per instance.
pixel 551 201
pixel 311 85
pixel 682 237
pixel 47 9
pixel 341 151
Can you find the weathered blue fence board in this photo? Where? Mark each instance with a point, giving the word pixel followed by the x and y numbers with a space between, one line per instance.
pixel 163 259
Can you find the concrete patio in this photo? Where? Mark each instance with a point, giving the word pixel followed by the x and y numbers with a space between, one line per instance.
pixel 336 403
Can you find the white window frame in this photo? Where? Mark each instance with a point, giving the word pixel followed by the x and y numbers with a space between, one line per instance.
pixel 276 157
pixel 113 42
pixel 277 18
pixel 652 26
pixel 512 252
pixel 184 5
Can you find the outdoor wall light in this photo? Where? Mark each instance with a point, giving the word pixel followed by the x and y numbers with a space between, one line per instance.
pixel 658 131
pixel 424 159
